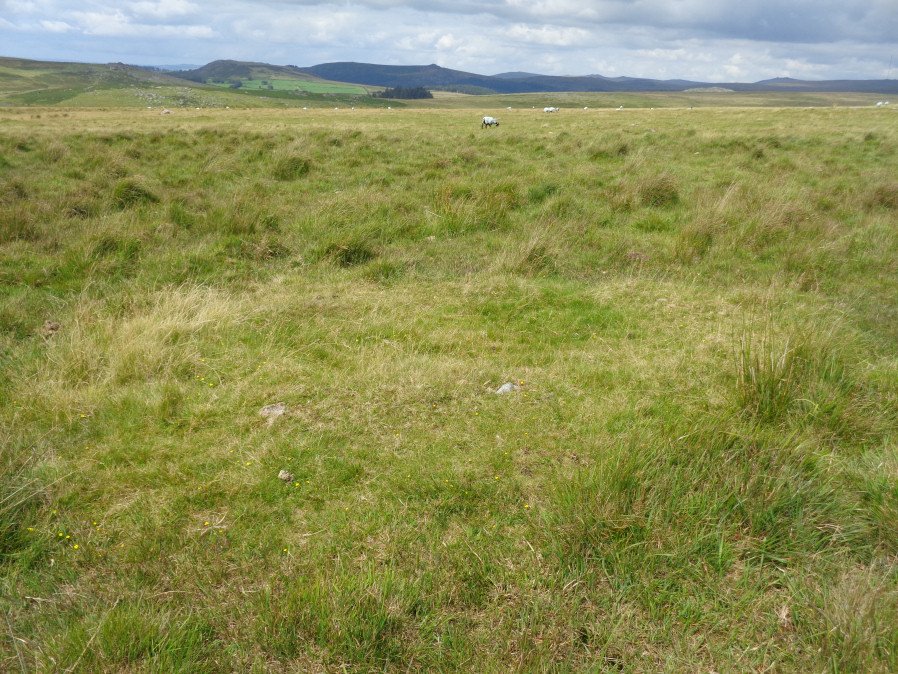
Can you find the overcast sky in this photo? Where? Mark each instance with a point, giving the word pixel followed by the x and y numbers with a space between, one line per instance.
pixel 709 40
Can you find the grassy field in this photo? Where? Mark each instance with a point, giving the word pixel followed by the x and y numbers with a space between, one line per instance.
pixel 684 99
pixel 301 86
pixel 696 472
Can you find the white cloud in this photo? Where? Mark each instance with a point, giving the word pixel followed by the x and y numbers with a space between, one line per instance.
pixel 551 36
pixel 163 9
pixel 56 26
pixel 691 39
pixel 118 24
pixel 21 6
pixel 312 27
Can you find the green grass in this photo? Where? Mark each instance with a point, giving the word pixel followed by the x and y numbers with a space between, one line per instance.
pixel 575 101
pixel 697 472
pixel 299 86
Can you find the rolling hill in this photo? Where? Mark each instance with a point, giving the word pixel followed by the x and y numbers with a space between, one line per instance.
pixel 434 76
pixel 254 84
pixel 24 81
pixel 29 82
pixel 264 76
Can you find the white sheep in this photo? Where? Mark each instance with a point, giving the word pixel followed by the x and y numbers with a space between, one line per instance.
pixel 489 121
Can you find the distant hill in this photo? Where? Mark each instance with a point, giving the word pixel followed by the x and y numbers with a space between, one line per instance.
pixel 517 75
pixel 404 76
pixel 264 76
pixel 177 67
pixel 29 82
pixel 23 81
pixel 243 70
pixel 434 76
pixel 229 82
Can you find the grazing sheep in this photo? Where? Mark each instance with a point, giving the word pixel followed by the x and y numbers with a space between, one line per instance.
pixel 550 109
pixel 489 121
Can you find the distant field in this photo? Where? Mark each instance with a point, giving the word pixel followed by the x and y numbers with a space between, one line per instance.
pixel 651 100
pixel 28 83
pixel 176 97
pixel 300 85
pixel 695 312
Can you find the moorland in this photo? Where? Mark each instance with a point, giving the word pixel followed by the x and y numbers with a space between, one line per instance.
pixel 695 468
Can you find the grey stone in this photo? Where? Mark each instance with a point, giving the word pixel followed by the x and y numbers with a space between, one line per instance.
pixel 272 412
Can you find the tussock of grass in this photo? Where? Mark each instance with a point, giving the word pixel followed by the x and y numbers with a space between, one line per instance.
pixel 18 224
pixel 612 150
pixel 21 495
pixel 695 240
pixel 659 192
pixel 291 168
pixel 539 193
pixel 127 193
pixel 776 375
pixel 885 196
pixel 536 257
pixel 82 206
pixel 771 375
pixel 385 271
pixel 350 252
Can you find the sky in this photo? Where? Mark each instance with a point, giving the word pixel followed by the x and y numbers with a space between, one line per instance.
pixel 706 40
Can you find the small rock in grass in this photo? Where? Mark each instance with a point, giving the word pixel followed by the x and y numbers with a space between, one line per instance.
pixel 507 387
pixel 272 412
pixel 285 476
pixel 50 328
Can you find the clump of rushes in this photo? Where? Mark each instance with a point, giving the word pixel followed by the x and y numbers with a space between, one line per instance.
pixel 768 375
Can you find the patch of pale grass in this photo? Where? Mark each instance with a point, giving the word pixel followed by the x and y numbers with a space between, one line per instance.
pixel 154 339
pixel 858 618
